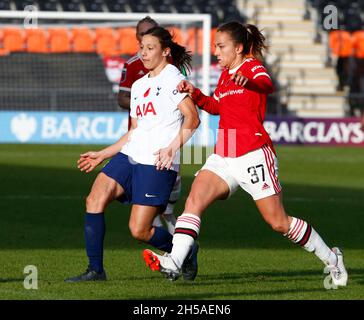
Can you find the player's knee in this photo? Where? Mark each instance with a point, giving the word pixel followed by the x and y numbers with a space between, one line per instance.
pixel 281 226
pixel 139 233
pixel 95 203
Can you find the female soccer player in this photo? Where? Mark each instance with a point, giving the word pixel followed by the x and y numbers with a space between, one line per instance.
pixel 244 155
pixel 145 160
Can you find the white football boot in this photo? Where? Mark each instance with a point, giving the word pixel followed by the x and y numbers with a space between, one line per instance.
pixel 164 264
pixel 338 272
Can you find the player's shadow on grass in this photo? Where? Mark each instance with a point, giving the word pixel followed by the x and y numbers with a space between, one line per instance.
pixel 8 280
pixel 44 208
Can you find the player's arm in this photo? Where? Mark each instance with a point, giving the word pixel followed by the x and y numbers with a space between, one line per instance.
pixel 124 99
pixel 206 103
pixel 125 88
pixel 90 160
pixel 255 79
pixel 191 122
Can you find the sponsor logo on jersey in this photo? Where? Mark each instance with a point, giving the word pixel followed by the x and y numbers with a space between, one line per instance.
pixel 146 108
pixel 257 67
pixel 158 91
pixel 175 91
pixel 141 72
pixel 231 92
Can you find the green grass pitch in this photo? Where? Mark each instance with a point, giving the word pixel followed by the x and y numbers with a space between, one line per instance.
pixel 42 206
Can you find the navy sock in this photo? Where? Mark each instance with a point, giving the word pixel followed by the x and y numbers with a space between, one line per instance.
pixel 94 238
pixel 161 239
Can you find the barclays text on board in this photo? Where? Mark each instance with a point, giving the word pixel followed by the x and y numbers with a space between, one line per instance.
pixel 107 127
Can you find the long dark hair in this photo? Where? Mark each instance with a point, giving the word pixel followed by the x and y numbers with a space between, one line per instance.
pixel 248 35
pixel 181 58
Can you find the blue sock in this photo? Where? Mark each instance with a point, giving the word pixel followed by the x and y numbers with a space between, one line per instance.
pixel 94 238
pixel 161 239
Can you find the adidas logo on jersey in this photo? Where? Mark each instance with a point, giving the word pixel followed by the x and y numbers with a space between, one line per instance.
pixel 265 186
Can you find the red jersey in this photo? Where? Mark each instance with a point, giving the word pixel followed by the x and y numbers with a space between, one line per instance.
pixel 241 109
pixel 132 71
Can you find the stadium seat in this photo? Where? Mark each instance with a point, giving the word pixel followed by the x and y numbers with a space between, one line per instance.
pixel 352 18
pixel 184 6
pixel 36 40
pixel 116 5
pixel 127 41
pixel 21 4
pixel 5 5
pixel 83 40
pixel 49 5
pixel 177 35
pixel 13 39
pixel 59 40
pixel 138 7
pixel 358 43
pixel 341 43
pixel 106 42
pixel 73 5
pixel 194 40
pixel 94 5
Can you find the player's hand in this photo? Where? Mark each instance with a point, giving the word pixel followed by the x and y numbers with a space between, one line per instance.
pixel 239 79
pixel 164 158
pixel 185 87
pixel 89 161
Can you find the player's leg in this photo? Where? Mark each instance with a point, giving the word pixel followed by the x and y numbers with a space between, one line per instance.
pixel 168 214
pixel 142 228
pixel 266 191
pixel 103 191
pixel 111 183
pixel 207 187
pixel 302 233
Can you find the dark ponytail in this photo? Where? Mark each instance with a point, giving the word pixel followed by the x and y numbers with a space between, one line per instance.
pixel 181 58
pixel 248 35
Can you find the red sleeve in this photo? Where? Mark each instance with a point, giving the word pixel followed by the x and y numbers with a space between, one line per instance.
pixel 127 78
pixel 258 78
pixel 208 104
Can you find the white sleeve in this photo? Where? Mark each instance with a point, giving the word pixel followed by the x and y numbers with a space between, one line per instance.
pixel 132 102
pixel 173 94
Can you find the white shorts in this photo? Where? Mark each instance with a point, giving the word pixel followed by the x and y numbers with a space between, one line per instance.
pixel 256 172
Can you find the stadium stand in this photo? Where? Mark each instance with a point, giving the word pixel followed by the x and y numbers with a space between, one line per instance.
pixel 57 81
pixel 304 67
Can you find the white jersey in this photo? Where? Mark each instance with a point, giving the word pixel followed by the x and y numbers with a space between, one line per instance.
pixel 154 103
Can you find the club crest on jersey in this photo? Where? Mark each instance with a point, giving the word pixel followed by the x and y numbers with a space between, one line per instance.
pixel 146 93
pixel 146 108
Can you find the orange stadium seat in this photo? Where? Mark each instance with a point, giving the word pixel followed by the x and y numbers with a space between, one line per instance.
pixel 341 43
pixel 212 39
pixel 36 40
pixel 59 40
pixel 13 39
pixel 194 40
pixel 358 43
pixel 177 36
pixel 83 40
pixel 106 42
pixel 127 41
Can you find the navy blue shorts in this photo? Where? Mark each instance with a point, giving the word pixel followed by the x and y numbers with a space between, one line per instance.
pixel 143 184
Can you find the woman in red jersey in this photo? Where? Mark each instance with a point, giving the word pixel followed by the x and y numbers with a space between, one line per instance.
pixel 244 155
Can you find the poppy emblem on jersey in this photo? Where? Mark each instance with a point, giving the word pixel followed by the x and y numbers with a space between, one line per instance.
pixel 146 93
pixel 265 186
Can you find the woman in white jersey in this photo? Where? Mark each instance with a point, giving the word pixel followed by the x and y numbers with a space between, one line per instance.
pixel 244 155
pixel 145 161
